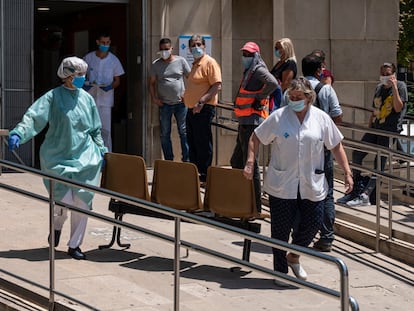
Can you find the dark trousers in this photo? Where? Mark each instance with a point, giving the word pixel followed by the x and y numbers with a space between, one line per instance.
pixel 284 213
pixel 239 157
pixel 327 230
pixel 358 156
pixel 200 138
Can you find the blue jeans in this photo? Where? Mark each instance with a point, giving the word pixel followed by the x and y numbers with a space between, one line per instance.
pixel 166 112
pixel 327 230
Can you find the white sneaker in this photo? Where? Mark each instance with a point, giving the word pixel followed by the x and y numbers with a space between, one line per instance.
pixel 298 271
pixel 361 200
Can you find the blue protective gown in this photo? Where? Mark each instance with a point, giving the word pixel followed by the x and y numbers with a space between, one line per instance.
pixel 73 145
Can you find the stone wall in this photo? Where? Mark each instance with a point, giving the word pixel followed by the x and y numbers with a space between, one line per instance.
pixel 357 36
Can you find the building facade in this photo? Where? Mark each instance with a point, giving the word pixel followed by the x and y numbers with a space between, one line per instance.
pixel 357 36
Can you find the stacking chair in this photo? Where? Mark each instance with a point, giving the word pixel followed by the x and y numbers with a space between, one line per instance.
pixel 176 185
pixel 230 196
pixel 125 174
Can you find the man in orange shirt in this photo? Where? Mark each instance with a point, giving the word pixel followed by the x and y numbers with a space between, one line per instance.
pixel 203 85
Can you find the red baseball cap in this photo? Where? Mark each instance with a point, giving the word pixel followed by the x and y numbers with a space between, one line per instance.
pixel 250 47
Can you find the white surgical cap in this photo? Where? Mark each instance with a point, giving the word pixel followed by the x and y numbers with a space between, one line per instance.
pixel 70 66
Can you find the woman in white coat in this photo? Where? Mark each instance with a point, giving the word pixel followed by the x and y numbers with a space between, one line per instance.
pixel 295 180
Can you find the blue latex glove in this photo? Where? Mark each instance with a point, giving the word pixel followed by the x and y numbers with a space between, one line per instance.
pixel 14 142
pixel 106 88
pixel 87 87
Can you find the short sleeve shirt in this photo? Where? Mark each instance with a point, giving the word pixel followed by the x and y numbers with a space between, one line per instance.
pixel 297 157
pixel 328 99
pixel 203 75
pixel 387 118
pixel 101 72
pixel 170 78
pixel 289 64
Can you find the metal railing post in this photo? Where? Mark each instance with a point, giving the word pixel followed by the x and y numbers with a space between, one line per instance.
pixel 408 135
pixel 344 279
pixel 378 206
pixel 390 160
pixel 217 135
pixel 177 244
pixel 51 245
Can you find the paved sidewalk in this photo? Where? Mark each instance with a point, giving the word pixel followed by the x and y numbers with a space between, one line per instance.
pixel 141 278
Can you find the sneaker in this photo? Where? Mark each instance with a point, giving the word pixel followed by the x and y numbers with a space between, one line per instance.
pixel 347 197
pixel 359 187
pixel 323 246
pixel 298 270
pixel 361 200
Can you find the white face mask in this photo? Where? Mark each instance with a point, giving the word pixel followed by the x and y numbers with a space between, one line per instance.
pixel 384 80
pixel 165 54
pixel 297 105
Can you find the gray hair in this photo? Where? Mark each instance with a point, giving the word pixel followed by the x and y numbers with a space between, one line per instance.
pixel 302 84
pixel 195 38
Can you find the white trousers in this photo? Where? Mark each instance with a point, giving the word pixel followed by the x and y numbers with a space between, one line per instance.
pixel 78 221
pixel 105 113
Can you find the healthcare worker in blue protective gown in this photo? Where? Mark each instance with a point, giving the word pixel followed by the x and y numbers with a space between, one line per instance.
pixel 73 147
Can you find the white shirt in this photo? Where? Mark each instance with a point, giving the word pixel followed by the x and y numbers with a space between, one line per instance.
pixel 101 72
pixel 297 158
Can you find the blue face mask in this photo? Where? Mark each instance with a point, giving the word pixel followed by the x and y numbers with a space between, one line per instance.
pixel 103 48
pixel 247 61
pixel 197 52
pixel 297 105
pixel 277 53
pixel 78 81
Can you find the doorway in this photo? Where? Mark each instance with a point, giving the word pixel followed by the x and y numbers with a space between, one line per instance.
pixel 69 28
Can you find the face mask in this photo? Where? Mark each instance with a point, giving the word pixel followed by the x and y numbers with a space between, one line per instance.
pixel 78 81
pixel 297 105
pixel 165 54
pixel 103 48
pixel 197 52
pixel 247 61
pixel 384 80
pixel 277 53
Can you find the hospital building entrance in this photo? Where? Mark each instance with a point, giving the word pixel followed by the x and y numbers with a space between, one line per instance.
pixel 37 35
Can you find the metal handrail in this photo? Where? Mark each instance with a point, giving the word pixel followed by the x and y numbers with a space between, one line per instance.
pixel 381 151
pixel 345 299
pixel 370 148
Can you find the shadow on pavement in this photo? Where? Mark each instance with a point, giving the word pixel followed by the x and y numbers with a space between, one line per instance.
pixel 154 263
pixel 42 254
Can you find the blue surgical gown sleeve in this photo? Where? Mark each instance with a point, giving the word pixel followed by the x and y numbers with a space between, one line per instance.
pixel 35 119
pixel 73 145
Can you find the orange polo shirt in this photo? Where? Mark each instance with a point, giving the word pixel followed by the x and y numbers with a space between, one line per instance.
pixel 203 75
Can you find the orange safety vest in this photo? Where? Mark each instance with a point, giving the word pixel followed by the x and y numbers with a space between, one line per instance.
pixel 243 105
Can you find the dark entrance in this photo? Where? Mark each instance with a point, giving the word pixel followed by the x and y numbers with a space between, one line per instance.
pixel 67 28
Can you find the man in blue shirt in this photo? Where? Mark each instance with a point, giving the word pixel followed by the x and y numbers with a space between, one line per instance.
pixel 328 102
